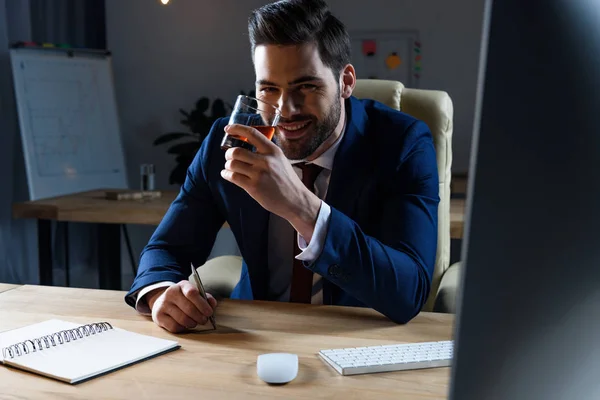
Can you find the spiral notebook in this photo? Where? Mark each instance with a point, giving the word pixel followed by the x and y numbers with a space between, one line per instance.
pixel 74 353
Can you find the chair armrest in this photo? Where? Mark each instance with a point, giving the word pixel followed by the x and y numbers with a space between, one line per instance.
pixel 445 300
pixel 219 275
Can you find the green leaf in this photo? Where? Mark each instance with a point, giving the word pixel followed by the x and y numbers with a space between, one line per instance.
pixel 195 116
pixel 201 125
pixel 188 149
pixel 184 159
pixel 218 109
pixel 202 104
pixel 169 137
pixel 178 175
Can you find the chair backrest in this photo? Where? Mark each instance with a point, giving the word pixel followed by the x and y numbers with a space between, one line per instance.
pixel 435 109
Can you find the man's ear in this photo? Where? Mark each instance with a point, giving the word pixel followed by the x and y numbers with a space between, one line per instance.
pixel 347 81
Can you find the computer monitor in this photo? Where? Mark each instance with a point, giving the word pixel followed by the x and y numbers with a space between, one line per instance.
pixel 528 323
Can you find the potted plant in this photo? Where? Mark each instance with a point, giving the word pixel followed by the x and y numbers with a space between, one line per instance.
pixel 198 123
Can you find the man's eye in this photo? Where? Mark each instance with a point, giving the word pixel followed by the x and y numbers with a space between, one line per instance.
pixel 268 89
pixel 307 86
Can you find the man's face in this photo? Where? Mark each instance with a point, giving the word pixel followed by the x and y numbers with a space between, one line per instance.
pixel 308 94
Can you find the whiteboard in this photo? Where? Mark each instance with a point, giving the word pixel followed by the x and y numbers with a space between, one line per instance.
pixel 403 44
pixel 68 121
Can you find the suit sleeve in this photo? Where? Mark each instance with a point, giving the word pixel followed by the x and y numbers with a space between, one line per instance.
pixel 188 230
pixel 391 272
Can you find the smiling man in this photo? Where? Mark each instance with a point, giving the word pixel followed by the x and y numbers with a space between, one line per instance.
pixel 340 208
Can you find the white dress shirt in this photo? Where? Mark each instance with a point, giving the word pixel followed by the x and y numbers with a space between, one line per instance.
pixel 280 247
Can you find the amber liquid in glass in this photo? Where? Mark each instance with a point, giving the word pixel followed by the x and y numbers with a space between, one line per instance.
pixel 238 141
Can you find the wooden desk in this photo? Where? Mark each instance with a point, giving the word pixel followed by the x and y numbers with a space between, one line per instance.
pixel 5 287
pixel 92 207
pixel 222 365
pixel 109 215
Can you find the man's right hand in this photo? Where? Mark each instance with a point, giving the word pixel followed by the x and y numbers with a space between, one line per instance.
pixel 180 307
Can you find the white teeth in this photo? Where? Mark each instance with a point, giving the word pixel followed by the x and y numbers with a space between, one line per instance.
pixel 295 127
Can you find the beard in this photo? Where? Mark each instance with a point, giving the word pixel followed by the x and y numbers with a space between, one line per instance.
pixel 319 132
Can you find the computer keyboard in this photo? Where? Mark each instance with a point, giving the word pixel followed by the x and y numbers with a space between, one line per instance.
pixel 396 357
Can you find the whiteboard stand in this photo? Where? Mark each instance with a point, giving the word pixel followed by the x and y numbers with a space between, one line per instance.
pixel 71 141
pixel 68 121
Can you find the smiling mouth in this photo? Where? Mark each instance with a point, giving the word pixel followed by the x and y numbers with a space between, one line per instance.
pixel 294 130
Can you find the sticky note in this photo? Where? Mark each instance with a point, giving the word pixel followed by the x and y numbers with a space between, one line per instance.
pixel 393 61
pixel 369 47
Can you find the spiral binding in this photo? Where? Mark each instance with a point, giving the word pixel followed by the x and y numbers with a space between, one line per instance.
pixel 44 342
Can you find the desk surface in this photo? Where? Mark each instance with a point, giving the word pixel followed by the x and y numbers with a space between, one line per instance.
pixel 4 287
pixel 93 207
pixel 222 364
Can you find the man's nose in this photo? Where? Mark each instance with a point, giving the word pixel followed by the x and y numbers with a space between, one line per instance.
pixel 289 104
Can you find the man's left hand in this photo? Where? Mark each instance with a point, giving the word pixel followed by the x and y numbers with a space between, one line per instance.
pixel 270 179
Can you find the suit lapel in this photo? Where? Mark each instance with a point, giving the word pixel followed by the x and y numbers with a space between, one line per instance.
pixel 349 172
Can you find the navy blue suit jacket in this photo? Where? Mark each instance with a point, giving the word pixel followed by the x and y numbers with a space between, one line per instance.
pixel 381 240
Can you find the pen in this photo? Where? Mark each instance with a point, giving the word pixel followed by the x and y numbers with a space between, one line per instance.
pixel 202 293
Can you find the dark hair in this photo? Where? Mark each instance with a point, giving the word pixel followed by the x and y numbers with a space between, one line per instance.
pixel 296 22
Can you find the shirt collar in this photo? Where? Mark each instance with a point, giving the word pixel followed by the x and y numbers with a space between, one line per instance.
pixel 325 160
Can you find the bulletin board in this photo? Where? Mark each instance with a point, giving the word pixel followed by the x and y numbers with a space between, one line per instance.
pixel 391 55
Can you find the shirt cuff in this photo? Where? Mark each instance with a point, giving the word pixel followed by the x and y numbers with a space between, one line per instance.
pixel 141 303
pixel 311 251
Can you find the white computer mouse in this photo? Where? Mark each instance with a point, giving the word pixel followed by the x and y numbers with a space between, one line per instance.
pixel 277 367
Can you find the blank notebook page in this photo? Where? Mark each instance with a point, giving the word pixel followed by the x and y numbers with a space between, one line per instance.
pixel 93 355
